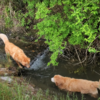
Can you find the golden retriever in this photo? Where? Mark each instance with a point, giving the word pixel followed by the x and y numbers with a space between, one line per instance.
pixel 76 85
pixel 15 52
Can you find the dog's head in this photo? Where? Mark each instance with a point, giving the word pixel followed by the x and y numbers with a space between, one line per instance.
pixel 58 80
pixel 26 62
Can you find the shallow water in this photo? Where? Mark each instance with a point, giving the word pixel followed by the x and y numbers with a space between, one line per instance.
pixel 40 74
pixel 42 77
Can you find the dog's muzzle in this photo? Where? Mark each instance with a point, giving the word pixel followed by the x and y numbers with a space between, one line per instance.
pixel 52 80
pixel 28 66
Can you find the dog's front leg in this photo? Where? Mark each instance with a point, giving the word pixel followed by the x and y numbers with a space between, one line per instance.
pixel 8 57
pixel 19 64
pixel 94 95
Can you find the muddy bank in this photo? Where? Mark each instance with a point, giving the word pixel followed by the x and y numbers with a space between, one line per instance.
pixel 27 88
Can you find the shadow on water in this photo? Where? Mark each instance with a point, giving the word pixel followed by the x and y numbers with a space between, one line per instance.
pixel 40 74
pixel 40 62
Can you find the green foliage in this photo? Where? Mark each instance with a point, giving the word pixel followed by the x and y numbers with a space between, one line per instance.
pixel 26 18
pixel 93 50
pixel 77 21
pixel 5 93
pixel 22 10
pixel 7 18
pixel 16 91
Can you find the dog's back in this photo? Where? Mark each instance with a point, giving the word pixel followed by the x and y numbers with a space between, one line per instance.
pixel 12 49
pixel 83 86
pixel 17 53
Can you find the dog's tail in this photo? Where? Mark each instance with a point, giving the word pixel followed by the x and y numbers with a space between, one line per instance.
pixel 4 37
pixel 99 84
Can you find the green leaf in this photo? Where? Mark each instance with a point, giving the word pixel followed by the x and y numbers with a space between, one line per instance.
pixel 92 50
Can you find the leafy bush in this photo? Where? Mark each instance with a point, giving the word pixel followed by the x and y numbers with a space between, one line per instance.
pixel 78 21
pixel 73 21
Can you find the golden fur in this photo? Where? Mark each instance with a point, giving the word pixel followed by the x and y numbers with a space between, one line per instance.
pixel 15 52
pixel 76 85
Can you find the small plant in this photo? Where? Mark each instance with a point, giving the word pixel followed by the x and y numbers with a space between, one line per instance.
pixel 5 92
pixel 7 18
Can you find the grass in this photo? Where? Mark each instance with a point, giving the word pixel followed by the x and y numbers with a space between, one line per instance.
pixel 5 93
pixel 21 91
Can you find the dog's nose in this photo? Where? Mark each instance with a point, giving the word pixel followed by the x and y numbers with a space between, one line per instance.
pixel 28 66
pixel 52 80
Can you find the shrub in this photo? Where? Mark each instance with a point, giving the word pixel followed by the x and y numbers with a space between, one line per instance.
pixel 63 21
pixel 78 21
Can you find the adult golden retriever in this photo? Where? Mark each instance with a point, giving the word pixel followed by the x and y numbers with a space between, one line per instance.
pixel 77 85
pixel 15 52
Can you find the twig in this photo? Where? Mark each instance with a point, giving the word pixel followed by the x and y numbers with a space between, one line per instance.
pixel 78 56
pixel 11 10
pixel 96 72
pixel 86 52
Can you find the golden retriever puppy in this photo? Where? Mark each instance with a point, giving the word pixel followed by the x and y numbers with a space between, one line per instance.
pixel 76 85
pixel 15 52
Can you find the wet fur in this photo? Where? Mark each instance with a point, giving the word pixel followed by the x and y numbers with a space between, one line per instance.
pixel 76 85
pixel 15 52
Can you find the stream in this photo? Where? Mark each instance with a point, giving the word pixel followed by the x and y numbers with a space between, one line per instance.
pixel 42 77
pixel 40 74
